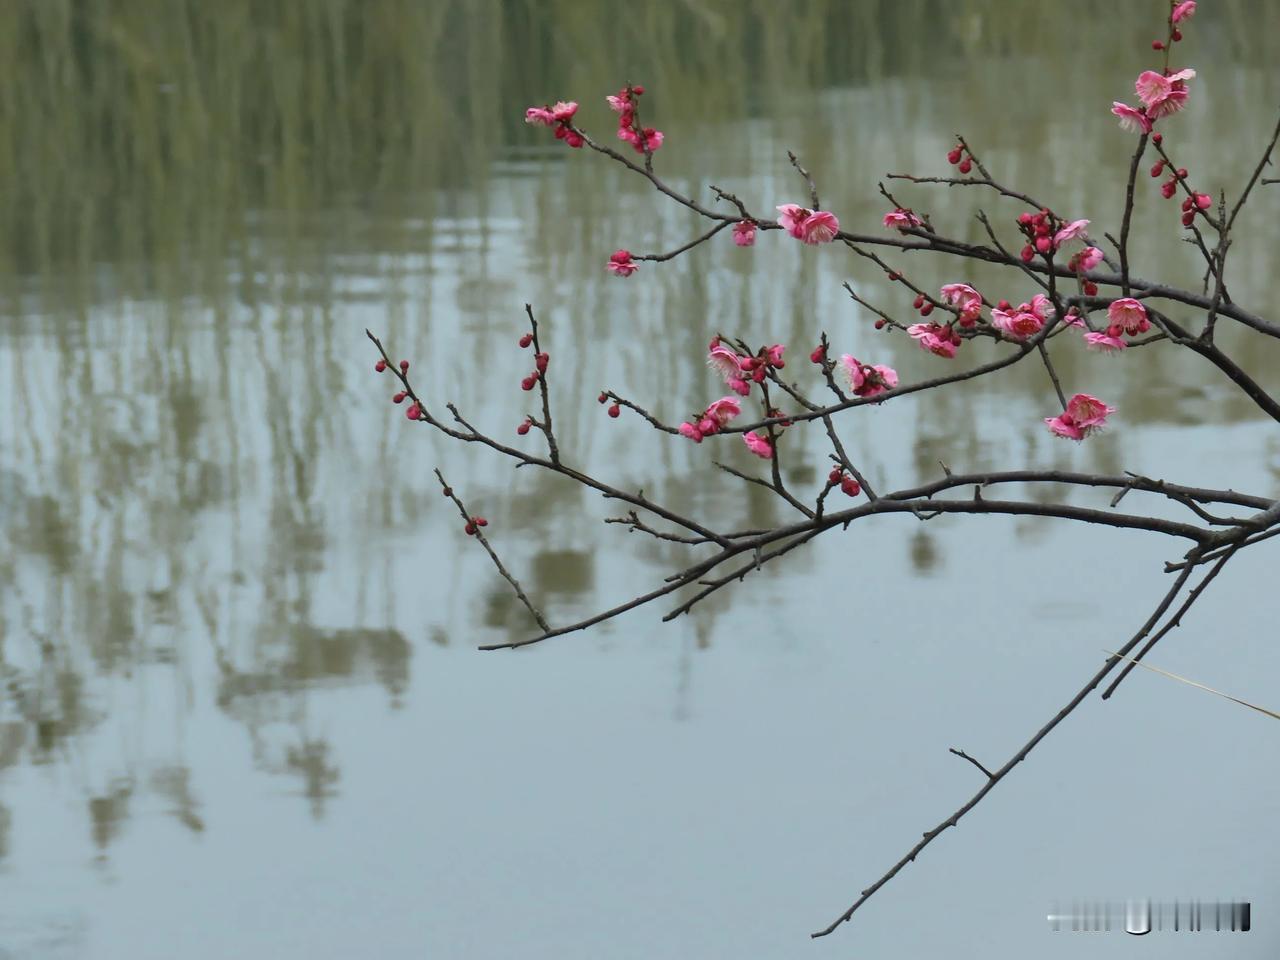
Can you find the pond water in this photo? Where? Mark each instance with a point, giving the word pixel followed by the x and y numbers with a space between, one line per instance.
pixel 243 712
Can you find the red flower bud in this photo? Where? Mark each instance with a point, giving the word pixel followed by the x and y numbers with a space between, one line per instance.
pixel 1182 173
pixel 380 366
pixel 1028 253
pixel 835 475
pixel 926 309
pixel 819 354
pixel 528 382
pixel 918 302
pixel 1157 45
pixel 637 90
pixel 953 157
pixel 880 324
pixel 1188 218
pixel 1176 35
pixel 1115 330
pixel 540 361
pixel 615 411
pixel 526 340
pixel 413 412
pixel 470 529
pixel 1090 288
pixel 404 366
pixel 1204 201
pixel 1024 219
pixel 1043 244
pixel 965 165
pixel 523 428
pixel 1157 138
pixel 399 397
pixel 602 398
pixel 894 275
pixel 1157 168
pixel 447 491
pixel 850 487
pixel 480 521
pixel 1003 305
pixel 758 374
pixel 1168 188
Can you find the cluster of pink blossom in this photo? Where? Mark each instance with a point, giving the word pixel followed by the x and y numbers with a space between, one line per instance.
pixel 966 300
pixel 960 157
pixel 1125 317
pixel 758 444
pixel 1045 233
pixel 642 139
pixel 808 226
pixel 744 233
pixel 712 420
pixel 937 338
pixel 901 218
pixel 560 117
pixel 540 361
pixel 1161 94
pixel 1194 200
pixel 866 379
pixel 1082 262
pixel 1026 320
pixel 1083 416
pixel 740 372
pixel 848 485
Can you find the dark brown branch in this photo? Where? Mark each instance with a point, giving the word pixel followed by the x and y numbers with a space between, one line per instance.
pixel 1013 761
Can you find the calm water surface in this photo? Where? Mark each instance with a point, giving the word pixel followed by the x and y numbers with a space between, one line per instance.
pixel 242 710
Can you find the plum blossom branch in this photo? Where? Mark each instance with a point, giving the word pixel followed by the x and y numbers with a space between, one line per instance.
pixel 473 528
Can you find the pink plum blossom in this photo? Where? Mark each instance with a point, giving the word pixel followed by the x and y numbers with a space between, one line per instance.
pixel 1163 95
pixel 539 115
pixel 621 265
pixel 739 386
pixel 1084 415
pixel 773 355
pixel 901 219
pixel 725 362
pixel 963 297
pixel 563 111
pixel 618 103
pixel 1135 121
pixel 808 226
pixel 1130 315
pixel 1183 11
pixel 821 226
pixel 758 445
pixel 1071 231
pixel 1090 257
pixel 934 338
pixel 1028 319
pixel 867 380
pixel 744 233
pixel 724 410
pixel 1104 342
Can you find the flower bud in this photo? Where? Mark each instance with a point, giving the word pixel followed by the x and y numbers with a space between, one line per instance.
pixel 602 398
pixel 1043 244
pixel 399 397
pixel 1028 253
pixel 523 428
pixel 926 309
pixel 953 156
pixel 850 487
pixel 1176 35
pixel 880 324
pixel 470 529
pixel 447 491
pixel 1157 138
pixel 615 411
pixel 528 382
pixel 1188 218
pixel 380 366
pixel 1090 288
pixel 965 165
pixel 404 366
pixel 540 361
pixel 1157 45
pixel 1182 173
pixel 413 412
pixel 918 302
pixel 819 354
pixel 526 340
pixel 1204 201
pixel 1157 168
